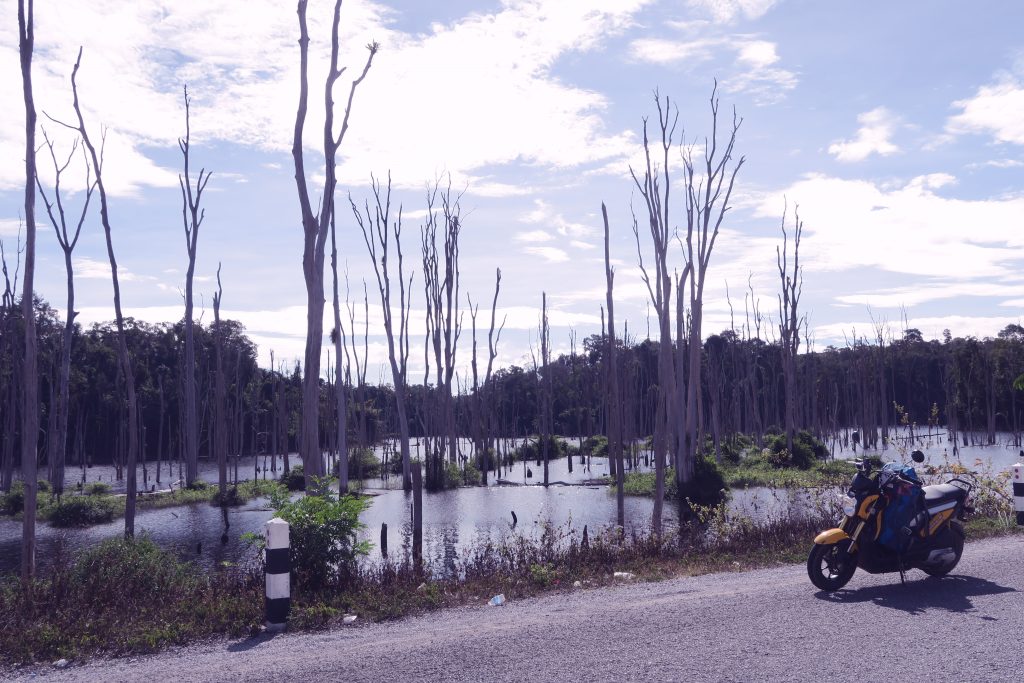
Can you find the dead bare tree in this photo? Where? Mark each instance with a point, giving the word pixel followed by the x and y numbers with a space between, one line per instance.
pixel 315 226
pixel 444 321
pixel 12 373
pixel 378 231
pixel 789 317
pixel 220 424
pixel 30 371
pixel 614 403
pixel 655 187
pixel 124 358
pixel 192 218
pixel 337 336
pixel 488 398
pixel 546 437
pixel 67 240
pixel 708 192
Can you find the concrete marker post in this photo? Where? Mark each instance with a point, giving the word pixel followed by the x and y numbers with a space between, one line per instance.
pixel 278 574
pixel 1018 492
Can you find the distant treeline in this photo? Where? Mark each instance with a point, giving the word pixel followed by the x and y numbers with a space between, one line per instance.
pixel 964 385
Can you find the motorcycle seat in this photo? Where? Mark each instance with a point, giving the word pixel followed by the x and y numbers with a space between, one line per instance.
pixel 942 493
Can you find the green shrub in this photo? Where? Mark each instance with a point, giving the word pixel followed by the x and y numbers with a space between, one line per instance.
pixel 806 450
pixel 322 533
pixel 295 479
pixel 13 502
pixel 531 450
pixel 76 511
pixel 97 488
pixel 596 446
pixel 708 485
pixel 363 464
pixel 198 485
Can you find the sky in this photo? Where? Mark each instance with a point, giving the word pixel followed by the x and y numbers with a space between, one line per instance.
pixel 897 129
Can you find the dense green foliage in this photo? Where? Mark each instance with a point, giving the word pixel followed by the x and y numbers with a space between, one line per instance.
pixel 323 528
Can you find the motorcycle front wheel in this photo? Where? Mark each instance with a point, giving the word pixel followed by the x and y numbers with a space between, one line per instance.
pixel 830 566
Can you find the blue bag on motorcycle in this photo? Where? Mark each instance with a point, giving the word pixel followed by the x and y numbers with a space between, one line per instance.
pixel 902 490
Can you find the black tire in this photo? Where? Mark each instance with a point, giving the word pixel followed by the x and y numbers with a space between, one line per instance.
pixel 956 532
pixel 830 566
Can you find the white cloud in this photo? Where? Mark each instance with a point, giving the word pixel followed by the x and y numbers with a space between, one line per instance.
pixel 754 71
pixel 727 11
pixel 857 224
pixel 550 254
pixel 996 109
pixel 11 227
pixel 241 65
pixel 926 292
pixel 93 269
pixel 534 236
pixel 930 327
pixel 873 137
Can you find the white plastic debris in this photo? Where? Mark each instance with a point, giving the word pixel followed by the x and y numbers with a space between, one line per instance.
pixel 349 618
pixel 60 663
pixel 497 600
pixel 421 588
pixel 624 576
pixel 577 584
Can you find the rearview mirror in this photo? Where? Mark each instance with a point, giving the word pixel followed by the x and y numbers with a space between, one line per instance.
pixel 917 456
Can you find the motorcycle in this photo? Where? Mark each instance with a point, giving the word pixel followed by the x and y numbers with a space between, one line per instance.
pixel 891 523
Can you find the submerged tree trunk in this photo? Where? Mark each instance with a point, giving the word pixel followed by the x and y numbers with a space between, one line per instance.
pixel 315 227
pixel 30 369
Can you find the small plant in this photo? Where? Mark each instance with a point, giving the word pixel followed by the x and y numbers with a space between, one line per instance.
pixel 77 511
pixel 323 535
pixel 97 488
pixel 295 479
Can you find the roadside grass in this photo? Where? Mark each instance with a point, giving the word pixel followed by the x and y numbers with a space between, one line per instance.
pixel 131 597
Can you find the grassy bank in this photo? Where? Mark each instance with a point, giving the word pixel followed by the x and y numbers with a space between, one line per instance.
pixel 132 597
pixel 96 505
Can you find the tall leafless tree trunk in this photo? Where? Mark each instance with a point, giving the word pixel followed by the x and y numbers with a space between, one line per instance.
pixel 67 240
pixel 789 318
pixel 339 377
pixel 9 355
pixel 614 402
pixel 378 230
pixel 192 218
pixel 124 357
pixel 546 437
pixel 220 423
pixel 707 201
pixel 315 227
pixel 30 371
pixel 655 189
pixel 444 321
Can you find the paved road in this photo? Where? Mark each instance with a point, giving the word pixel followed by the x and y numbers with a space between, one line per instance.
pixel 765 625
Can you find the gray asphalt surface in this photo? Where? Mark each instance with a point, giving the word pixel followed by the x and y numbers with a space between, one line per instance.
pixel 764 625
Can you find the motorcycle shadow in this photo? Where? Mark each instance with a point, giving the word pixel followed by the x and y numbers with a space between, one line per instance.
pixel 951 593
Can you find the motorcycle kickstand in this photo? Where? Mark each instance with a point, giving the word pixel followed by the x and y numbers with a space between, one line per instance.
pixel 903 573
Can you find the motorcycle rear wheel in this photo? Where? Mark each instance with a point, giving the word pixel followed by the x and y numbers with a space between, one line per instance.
pixel 831 566
pixel 956 530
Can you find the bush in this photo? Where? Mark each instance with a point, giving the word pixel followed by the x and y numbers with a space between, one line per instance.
pixel 97 488
pixel 708 485
pixel 294 480
pixel 363 464
pixel 198 485
pixel 596 446
pixel 322 532
pixel 75 511
pixel 13 502
pixel 531 450
pixel 806 450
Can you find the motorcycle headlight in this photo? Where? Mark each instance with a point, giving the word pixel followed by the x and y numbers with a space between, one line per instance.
pixel 849 506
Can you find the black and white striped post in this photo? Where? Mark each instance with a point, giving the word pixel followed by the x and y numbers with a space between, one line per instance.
pixel 278 571
pixel 1018 492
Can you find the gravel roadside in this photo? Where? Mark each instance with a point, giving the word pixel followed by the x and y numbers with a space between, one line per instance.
pixel 748 626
